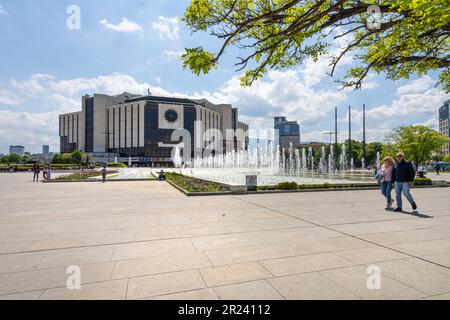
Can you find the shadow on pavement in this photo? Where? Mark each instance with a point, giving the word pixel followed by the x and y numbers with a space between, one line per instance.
pixel 418 214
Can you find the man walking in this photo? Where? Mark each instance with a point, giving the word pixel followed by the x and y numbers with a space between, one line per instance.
pixel 403 176
pixel 437 168
pixel 36 171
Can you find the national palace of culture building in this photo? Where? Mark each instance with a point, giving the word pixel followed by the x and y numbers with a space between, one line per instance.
pixel 141 127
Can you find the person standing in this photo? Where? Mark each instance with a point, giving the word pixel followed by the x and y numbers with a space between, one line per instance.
pixel 386 186
pixel 403 176
pixel 36 171
pixel 104 173
pixel 47 172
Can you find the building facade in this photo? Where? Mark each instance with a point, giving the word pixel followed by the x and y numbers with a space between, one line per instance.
pixel 147 128
pixel 288 131
pixel 45 150
pixel 16 150
pixel 444 119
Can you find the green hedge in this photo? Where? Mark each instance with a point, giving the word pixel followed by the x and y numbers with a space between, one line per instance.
pixel 287 186
pixel 295 186
pixel 423 182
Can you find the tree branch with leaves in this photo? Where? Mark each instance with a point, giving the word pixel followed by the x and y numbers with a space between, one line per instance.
pixel 413 36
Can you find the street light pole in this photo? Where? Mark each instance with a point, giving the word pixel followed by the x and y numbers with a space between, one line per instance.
pixel 331 136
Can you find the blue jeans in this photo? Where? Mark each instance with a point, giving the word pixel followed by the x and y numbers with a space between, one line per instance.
pixel 386 188
pixel 403 187
pixel 36 176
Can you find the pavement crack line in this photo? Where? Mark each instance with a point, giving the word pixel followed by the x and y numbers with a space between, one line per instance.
pixel 343 233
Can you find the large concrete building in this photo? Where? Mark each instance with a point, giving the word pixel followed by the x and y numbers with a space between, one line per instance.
pixel 16 150
pixel 444 119
pixel 142 127
pixel 288 131
pixel 45 150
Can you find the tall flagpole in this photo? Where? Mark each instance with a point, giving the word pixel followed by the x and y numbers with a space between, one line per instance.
pixel 335 133
pixel 364 131
pixel 349 132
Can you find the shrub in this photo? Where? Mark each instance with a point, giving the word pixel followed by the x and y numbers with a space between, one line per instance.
pixel 287 186
pixel 193 184
pixel 265 188
pixel 423 182
pixel 116 165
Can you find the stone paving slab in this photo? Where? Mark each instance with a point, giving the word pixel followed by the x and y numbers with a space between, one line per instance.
pixel 253 290
pixel 223 275
pixel 354 279
pixel 310 286
pixel 146 240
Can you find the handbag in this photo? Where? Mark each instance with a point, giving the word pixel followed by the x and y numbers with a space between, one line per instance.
pixel 379 177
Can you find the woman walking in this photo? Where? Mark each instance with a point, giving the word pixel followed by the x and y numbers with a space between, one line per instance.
pixel 47 172
pixel 386 185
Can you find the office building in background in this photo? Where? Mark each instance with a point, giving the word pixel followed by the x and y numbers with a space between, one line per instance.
pixel 17 150
pixel 289 132
pixel 444 119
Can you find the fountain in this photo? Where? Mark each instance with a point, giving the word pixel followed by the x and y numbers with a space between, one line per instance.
pixel 273 164
pixel 177 161
pixel 378 160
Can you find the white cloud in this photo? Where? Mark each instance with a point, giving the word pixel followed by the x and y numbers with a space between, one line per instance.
pixel 297 94
pixel 416 86
pixel 168 27
pixel 417 103
pixel 3 12
pixel 124 26
pixel 173 55
pixel 9 98
pixel 31 130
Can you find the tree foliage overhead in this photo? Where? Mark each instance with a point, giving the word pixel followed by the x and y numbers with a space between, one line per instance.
pixel 413 37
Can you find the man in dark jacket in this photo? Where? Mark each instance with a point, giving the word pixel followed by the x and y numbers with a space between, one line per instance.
pixel 403 175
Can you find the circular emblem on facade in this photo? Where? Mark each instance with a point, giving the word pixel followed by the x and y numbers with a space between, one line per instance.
pixel 171 115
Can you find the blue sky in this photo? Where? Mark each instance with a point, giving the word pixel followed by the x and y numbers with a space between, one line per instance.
pixel 134 45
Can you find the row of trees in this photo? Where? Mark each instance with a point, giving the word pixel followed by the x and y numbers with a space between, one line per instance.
pixel 357 152
pixel 76 157
pixel 11 158
pixel 419 143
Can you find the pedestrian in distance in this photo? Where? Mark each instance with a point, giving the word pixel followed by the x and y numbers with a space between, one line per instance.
pixel 36 171
pixel 104 172
pixel 438 169
pixel 47 172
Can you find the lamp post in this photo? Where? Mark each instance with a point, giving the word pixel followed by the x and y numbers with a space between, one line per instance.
pixel 331 134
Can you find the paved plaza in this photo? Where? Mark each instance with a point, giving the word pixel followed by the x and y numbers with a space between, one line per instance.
pixel 146 240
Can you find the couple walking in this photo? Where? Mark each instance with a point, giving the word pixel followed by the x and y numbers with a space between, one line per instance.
pixel 400 175
pixel 37 170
